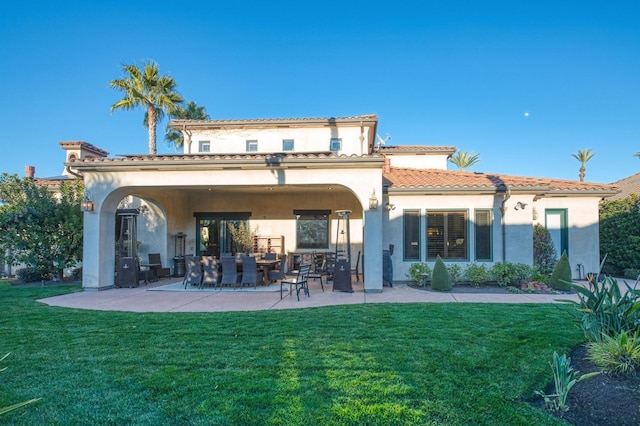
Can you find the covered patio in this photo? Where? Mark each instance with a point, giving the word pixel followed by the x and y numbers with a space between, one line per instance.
pixel 189 194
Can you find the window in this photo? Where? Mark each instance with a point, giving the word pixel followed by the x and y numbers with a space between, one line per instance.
pixel 336 144
pixel 556 223
pixel 205 146
pixel 412 235
pixel 483 227
pixel 287 144
pixel 252 146
pixel 447 235
pixel 312 229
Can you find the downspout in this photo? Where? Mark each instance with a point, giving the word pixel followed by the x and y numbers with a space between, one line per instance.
pixel 503 209
pixel 78 175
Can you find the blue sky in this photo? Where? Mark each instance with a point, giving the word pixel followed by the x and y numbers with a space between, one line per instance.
pixel 455 73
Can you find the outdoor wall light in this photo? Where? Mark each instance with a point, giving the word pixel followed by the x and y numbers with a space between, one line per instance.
pixel 373 201
pixel 86 205
pixel 389 206
pixel 520 205
pixel 534 214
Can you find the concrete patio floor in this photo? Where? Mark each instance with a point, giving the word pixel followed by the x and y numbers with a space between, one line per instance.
pixel 145 299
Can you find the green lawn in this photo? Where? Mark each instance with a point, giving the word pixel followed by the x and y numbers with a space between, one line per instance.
pixel 387 364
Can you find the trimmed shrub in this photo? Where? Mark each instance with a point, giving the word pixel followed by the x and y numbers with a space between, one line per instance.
pixel 440 280
pixel 561 276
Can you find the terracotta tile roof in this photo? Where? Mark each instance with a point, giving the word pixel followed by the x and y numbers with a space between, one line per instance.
pixel 434 180
pixel 177 124
pixel 412 149
pixel 83 145
pixel 629 185
pixel 235 159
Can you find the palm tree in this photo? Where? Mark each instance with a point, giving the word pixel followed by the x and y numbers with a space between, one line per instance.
pixel 637 154
pixel 583 156
pixel 191 112
pixel 145 88
pixel 464 159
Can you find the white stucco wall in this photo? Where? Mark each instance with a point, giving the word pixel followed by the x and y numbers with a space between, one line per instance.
pixel 228 141
pixel 518 233
pixel 418 161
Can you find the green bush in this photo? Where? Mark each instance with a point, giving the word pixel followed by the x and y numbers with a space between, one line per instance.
pixel 455 273
pixel 507 273
pixel 417 272
pixel 620 234
pixel 477 274
pixel 631 273
pixel 561 276
pixel 545 255
pixel 440 280
pixel 33 274
pixel 616 354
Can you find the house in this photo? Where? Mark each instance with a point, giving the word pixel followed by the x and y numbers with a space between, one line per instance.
pixel 288 178
pixel 627 186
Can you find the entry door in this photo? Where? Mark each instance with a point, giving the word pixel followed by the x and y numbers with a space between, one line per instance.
pixel 556 224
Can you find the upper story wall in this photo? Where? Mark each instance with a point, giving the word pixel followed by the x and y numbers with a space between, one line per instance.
pixel 418 157
pixel 342 136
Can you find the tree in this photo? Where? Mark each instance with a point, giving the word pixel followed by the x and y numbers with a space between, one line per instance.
pixel 637 154
pixel 583 156
pixel 464 159
pixel 145 88
pixel 40 230
pixel 545 256
pixel 440 280
pixel 561 275
pixel 191 112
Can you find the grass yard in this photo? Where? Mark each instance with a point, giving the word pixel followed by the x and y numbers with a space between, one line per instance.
pixel 387 364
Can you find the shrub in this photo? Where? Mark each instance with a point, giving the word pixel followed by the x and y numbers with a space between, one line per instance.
pixel 455 273
pixel 561 276
pixel 440 280
pixel 616 354
pixel 477 274
pixel 631 273
pixel 620 234
pixel 506 273
pixel 417 272
pixel 564 378
pixel 545 255
pixel 32 274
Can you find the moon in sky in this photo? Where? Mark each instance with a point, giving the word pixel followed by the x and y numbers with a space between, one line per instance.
pixel 526 114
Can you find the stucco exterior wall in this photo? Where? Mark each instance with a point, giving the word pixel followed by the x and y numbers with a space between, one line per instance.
pixel 228 141
pixel 419 161
pixel 582 214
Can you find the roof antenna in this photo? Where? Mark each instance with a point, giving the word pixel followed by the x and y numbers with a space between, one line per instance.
pixel 382 142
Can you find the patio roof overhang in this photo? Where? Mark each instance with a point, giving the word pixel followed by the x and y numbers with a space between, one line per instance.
pixel 203 162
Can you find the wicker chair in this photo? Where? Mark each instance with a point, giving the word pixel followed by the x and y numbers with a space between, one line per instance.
pixel 210 273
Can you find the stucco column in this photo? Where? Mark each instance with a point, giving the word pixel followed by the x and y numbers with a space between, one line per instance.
pixel 372 250
pixel 98 245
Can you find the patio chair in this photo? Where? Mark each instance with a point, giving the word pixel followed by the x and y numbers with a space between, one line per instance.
pixel 210 273
pixel 318 270
pixel 193 271
pixel 278 274
pixel 250 273
pixel 330 265
pixel 270 256
pixel 300 281
pixel 354 271
pixel 230 274
pixel 154 259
